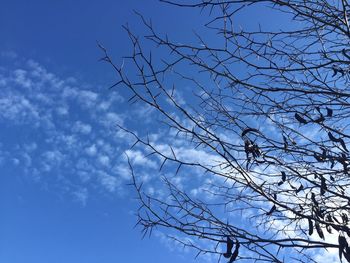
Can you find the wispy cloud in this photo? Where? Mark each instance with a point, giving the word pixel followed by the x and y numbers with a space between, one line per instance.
pixel 58 127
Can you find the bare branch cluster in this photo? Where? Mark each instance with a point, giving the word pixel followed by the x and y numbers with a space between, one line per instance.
pixel 273 107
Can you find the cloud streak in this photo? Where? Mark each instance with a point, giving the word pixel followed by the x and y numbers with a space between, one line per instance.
pixel 58 128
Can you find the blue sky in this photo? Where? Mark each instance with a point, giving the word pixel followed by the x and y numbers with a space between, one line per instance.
pixel 63 193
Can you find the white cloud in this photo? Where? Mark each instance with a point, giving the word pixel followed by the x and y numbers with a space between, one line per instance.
pixel 82 127
pixel 27 159
pixel 104 160
pixel 81 195
pixel 15 161
pixel 111 119
pixel 20 77
pixel 62 110
pixel 91 150
pixel 87 99
pixel 67 128
pixel 123 170
pixel 138 158
pixel 108 181
pixel 17 108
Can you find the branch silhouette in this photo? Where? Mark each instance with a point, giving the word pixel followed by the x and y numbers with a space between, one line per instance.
pixel 273 107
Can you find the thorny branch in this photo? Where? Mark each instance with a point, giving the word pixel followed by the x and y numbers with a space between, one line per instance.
pixel 273 107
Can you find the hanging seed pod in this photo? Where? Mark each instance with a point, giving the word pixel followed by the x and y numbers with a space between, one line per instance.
pixel 329 229
pixel 229 246
pixel 247 146
pixel 284 176
pixel 319 119
pixel 235 253
pixel 343 145
pixel 332 163
pixel 332 138
pixel 273 208
pixel 329 112
pixel 313 198
pixel 301 187
pixel 340 140
pixel 335 71
pixel 343 246
pixel 319 230
pixel 311 226
pixel 247 130
pixel 323 185
pixel 300 119
pixel 285 143
pixel 275 196
pixel 256 150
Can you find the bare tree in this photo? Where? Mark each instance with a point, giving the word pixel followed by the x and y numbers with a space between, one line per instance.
pixel 272 106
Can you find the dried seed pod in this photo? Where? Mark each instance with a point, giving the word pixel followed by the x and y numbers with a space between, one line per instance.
pixel 329 112
pixel 343 246
pixel 323 185
pixel 319 119
pixel 273 208
pixel 275 196
pixel 313 198
pixel 247 130
pixel 285 143
pixel 332 138
pixel 335 71
pixel 229 246
pixel 300 119
pixel 340 140
pixel 284 176
pixel 319 230
pixel 235 253
pixel 329 229
pixel 301 187
pixel 343 145
pixel 311 226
